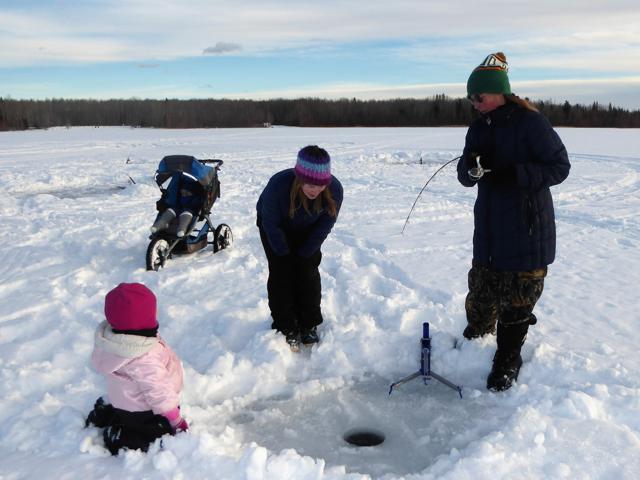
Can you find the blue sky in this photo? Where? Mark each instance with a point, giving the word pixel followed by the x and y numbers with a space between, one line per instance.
pixel 559 50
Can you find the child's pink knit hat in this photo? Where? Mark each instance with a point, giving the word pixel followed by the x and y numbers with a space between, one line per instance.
pixel 131 306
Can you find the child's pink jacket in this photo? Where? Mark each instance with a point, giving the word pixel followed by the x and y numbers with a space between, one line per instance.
pixel 142 373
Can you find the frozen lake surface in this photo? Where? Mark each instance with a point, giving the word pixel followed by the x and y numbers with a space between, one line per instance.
pixel 74 226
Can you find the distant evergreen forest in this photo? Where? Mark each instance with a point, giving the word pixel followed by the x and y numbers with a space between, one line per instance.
pixel 436 111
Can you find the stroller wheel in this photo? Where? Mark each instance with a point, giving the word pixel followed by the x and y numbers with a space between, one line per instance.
pixel 222 237
pixel 157 253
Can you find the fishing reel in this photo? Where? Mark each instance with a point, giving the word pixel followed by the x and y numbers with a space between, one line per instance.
pixel 477 172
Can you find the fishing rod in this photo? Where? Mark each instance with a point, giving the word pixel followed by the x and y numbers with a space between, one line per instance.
pixel 474 173
pixel 423 188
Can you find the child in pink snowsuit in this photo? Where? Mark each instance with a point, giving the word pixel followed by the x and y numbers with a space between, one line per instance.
pixel 144 376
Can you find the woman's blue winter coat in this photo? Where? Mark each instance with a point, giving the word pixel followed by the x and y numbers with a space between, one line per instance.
pixel 303 234
pixel 514 218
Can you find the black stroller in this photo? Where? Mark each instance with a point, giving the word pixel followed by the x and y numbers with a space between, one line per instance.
pixel 189 189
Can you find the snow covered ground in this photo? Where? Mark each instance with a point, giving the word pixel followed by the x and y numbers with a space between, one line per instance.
pixel 73 227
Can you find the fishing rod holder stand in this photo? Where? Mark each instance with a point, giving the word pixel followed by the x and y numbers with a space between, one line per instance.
pixel 425 366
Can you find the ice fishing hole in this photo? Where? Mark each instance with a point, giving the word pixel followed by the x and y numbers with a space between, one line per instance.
pixel 363 438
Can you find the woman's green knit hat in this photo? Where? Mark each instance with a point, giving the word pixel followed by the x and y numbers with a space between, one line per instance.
pixel 490 76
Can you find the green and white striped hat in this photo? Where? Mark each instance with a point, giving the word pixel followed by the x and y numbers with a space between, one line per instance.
pixel 490 76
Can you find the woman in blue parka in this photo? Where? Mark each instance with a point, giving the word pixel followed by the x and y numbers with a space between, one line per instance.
pixel 514 237
pixel 295 213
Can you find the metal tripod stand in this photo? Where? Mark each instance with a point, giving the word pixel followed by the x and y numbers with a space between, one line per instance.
pixel 425 365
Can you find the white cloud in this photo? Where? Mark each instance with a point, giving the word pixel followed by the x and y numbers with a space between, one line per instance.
pixel 149 29
pixel 58 50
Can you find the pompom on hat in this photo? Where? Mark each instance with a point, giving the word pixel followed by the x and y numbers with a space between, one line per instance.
pixel 131 306
pixel 490 76
pixel 313 166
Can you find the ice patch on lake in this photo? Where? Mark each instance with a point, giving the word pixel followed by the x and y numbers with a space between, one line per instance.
pixel 420 423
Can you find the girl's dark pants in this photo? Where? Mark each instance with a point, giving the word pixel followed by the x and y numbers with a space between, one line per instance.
pixel 293 287
pixel 124 429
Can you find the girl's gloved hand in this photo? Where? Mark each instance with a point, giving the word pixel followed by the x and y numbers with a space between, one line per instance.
pixel 178 423
pixel 182 426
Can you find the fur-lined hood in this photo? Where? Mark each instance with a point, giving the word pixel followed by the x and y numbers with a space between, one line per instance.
pixel 118 349
pixel 142 373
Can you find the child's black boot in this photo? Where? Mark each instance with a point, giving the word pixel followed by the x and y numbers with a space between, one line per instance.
pixel 101 415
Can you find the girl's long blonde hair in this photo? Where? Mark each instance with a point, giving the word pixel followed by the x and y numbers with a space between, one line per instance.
pixel 297 198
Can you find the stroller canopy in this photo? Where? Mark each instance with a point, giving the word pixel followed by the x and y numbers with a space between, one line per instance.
pixel 187 165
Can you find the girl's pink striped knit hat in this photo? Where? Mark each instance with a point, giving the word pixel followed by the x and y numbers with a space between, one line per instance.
pixel 313 166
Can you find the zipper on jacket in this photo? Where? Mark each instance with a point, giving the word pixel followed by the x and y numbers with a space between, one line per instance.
pixel 532 214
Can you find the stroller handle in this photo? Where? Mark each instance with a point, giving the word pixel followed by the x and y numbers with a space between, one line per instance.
pixel 212 160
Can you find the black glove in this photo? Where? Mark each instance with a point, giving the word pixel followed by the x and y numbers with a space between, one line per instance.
pixel 470 160
pixel 503 176
pixel 486 161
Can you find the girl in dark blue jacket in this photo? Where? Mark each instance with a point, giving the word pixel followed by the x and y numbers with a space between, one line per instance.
pixel 514 235
pixel 296 211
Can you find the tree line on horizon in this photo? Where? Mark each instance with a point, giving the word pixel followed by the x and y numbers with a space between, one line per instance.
pixel 435 111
